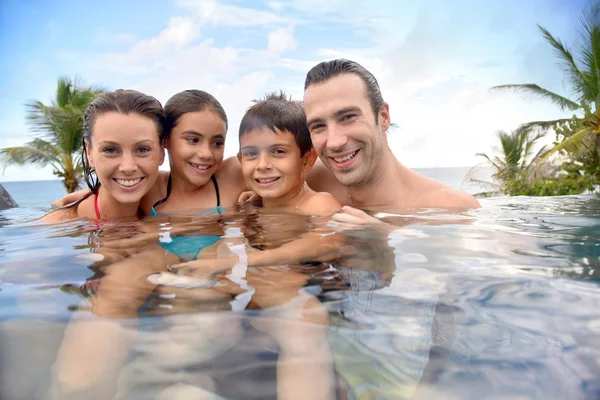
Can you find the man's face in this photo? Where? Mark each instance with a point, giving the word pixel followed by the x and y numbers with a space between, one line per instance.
pixel 343 129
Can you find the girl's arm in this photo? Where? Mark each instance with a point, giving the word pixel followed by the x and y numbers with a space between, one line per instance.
pixel 70 198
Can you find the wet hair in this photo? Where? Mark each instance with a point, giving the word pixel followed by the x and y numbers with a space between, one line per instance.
pixel 326 70
pixel 186 102
pixel 123 102
pixel 277 111
pixel 191 101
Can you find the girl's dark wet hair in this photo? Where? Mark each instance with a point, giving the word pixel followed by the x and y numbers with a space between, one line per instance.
pixel 186 102
pixel 123 102
pixel 191 101
pixel 276 110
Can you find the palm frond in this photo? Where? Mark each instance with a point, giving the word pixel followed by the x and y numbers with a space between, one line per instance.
pixel 544 125
pixel 494 164
pixel 37 152
pixel 571 144
pixel 590 21
pixel 533 89
pixel 577 78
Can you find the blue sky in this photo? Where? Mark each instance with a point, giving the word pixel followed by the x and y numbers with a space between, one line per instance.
pixel 435 60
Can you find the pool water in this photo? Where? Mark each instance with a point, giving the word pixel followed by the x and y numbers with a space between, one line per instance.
pixel 501 302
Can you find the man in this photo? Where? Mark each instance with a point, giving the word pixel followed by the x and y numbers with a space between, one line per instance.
pixel 348 121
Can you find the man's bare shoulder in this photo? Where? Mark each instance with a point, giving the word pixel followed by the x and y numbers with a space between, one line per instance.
pixel 446 197
pixel 435 194
pixel 320 178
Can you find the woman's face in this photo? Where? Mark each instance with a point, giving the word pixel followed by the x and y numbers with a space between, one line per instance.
pixel 125 152
pixel 196 146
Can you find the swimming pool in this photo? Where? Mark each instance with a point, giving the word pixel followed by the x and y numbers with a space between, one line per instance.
pixel 502 302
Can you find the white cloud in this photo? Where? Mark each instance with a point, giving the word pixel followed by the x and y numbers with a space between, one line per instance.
pixel 281 40
pixel 180 32
pixel 210 12
pixel 276 5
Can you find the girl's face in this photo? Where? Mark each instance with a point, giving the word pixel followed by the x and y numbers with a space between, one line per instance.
pixel 196 146
pixel 126 153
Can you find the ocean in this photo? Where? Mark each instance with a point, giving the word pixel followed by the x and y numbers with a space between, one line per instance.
pixel 39 194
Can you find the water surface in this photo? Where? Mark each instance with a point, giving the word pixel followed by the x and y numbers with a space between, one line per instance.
pixel 501 302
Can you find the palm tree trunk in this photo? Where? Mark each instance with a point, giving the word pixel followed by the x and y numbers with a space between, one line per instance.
pixel 71 182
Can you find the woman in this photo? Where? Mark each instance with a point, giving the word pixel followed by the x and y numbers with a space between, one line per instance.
pixel 123 133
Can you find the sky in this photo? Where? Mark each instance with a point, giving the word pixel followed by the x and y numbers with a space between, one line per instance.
pixel 435 60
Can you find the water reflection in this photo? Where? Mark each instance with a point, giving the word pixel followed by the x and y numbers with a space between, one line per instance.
pixel 497 302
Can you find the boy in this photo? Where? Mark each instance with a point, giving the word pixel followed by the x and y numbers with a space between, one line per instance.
pixel 276 154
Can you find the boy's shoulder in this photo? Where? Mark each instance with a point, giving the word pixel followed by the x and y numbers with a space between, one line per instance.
pixel 321 203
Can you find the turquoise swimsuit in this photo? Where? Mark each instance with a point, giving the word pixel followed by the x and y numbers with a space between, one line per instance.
pixel 188 247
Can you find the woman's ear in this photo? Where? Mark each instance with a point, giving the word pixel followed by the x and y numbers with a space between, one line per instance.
pixel 310 158
pixel 88 154
pixel 162 155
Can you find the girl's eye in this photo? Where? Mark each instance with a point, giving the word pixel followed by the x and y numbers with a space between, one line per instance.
pixel 218 144
pixel 192 140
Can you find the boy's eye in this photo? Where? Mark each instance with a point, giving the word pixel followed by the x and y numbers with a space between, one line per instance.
pixel 250 153
pixel 279 151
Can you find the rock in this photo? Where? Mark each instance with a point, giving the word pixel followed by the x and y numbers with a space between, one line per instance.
pixel 6 201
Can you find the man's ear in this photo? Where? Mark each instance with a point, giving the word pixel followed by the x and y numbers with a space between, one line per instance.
pixel 310 158
pixel 384 117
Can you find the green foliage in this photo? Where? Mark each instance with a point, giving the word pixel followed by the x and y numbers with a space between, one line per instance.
pixel 578 138
pixel 561 185
pixel 59 128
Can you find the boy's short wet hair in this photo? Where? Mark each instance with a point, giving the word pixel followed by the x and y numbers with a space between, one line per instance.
pixel 277 111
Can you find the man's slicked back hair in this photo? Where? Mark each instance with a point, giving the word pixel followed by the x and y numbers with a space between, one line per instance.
pixel 326 70
pixel 277 111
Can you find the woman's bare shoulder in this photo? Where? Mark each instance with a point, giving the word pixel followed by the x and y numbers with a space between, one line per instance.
pixel 60 215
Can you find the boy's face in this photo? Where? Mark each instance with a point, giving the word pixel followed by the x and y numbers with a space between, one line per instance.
pixel 271 163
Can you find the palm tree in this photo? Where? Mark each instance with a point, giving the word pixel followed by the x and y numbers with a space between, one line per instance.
pixel 60 132
pixel 514 160
pixel 581 133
